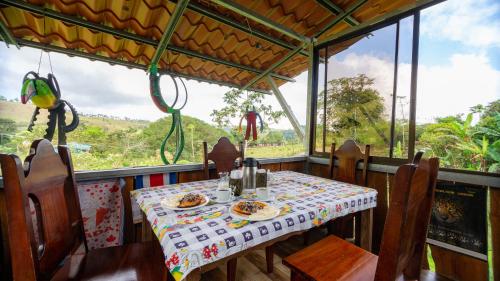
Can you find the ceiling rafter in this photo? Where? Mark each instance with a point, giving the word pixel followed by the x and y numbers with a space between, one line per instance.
pixel 202 10
pixel 340 17
pixel 239 9
pixel 336 10
pixel 274 66
pixel 173 21
pixel 130 36
pixel 112 61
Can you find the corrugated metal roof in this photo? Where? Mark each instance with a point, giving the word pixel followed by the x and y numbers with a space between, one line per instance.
pixel 195 32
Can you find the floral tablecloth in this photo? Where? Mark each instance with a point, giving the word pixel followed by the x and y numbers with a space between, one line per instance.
pixel 191 239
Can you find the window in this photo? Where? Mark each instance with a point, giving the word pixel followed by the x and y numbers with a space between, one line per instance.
pixel 119 124
pixel 361 90
pixel 449 108
pixel 458 102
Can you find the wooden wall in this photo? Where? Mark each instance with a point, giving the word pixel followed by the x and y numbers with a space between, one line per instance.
pixel 448 263
pixel 495 230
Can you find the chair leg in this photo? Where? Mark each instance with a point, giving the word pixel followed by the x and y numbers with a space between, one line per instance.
pixel 295 276
pixel 357 229
pixel 231 269
pixel 270 259
pixel 306 235
pixel 169 276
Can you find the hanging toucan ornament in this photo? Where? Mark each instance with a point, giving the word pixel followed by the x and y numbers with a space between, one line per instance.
pixel 251 117
pixel 45 93
pixel 176 127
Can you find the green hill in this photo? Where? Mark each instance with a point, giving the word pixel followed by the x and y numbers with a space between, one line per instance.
pixel 21 115
pixel 104 142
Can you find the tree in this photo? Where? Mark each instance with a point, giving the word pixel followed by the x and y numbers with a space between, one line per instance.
pixel 461 144
pixel 7 128
pixel 2 98
pixel 237 104
pixel 352 107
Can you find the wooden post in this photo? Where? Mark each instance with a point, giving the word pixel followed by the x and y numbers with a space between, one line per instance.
pixel 128 228
pixel 147 231
pixel 366 229
pixel 495 231
pixel 5 263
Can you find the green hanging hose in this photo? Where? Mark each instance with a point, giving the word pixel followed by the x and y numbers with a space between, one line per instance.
pixel 176 127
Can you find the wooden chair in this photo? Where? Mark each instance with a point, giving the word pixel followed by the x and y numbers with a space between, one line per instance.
pixel 224 154
pixel 403 241
pixel 348 157
pixel 55 247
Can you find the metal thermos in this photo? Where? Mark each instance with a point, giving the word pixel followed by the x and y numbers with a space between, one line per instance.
pixel 249 171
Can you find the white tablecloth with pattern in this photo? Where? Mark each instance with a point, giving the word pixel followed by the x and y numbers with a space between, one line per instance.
pixel 191 239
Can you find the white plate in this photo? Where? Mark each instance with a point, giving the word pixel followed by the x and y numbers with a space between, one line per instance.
pixel 190 208
pixel 242 217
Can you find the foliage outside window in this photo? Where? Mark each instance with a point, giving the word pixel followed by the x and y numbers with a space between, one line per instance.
pixel 105 142
pixel 356 102
pixel 457 107
pixel 271 143
pixel 458 102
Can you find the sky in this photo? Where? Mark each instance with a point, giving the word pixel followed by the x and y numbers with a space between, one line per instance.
pixel 459 67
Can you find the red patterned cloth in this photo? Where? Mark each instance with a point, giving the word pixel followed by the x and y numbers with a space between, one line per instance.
pixel 102 212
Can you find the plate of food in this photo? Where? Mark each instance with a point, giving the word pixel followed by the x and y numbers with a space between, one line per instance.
pixel 254 210
pixel 185 201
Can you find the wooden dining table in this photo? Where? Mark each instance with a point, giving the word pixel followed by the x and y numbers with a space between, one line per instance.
pixel 196 241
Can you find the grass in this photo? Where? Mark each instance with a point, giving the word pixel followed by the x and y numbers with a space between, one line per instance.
pixel 275 151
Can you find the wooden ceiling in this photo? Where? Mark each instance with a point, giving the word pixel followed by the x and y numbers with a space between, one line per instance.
pixel 203 46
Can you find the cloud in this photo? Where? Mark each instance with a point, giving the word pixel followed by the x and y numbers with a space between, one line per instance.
pixel 95 87
pixel 467 80
pixel 448 89
pixel 380 69
pixel 472 22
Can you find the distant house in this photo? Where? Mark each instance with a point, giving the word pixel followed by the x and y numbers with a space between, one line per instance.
pixel 79 147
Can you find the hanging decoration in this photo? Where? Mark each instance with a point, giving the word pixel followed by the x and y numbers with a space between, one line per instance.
pixel 176 127
pixel 251 117
pixel 45 93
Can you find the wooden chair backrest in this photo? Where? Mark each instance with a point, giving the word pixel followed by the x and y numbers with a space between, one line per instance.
pixel 47 180
pixel 348 156
pixel 405 230
pixel 223 154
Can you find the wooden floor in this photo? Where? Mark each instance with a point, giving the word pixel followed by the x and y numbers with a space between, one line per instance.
pixel 252 267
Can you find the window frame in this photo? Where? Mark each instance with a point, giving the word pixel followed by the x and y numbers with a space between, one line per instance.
pixel 413 86
pixel 413 90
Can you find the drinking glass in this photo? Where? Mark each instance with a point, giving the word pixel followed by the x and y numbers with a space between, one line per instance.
pixel 223 180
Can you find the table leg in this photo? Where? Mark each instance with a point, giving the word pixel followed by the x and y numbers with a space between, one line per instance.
pixel 270 259
pixel 194 275
pixel 231 269
pixel 147 232
pixel 366 229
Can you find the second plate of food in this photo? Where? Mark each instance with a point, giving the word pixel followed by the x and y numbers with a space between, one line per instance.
pixel 186 201
pixel 254 210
